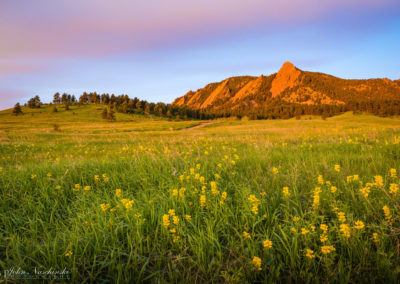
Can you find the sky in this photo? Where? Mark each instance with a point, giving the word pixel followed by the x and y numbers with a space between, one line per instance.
pixel 160 49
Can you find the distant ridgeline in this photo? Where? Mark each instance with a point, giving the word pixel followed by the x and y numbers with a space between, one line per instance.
pixel 289 93
pixel 292 92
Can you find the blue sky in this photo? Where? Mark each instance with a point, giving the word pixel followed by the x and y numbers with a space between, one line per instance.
pixel 159 50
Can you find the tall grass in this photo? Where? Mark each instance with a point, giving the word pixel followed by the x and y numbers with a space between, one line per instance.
pixel 51 218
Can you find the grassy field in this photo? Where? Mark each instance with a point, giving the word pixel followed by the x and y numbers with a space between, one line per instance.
pixel 139 199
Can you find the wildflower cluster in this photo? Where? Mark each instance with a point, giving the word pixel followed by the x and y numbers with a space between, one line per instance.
pixel 170 222
pixel 255 202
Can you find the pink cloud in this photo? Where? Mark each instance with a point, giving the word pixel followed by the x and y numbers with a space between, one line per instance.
pixel 9 97
pixel 18 66
pixel 52 29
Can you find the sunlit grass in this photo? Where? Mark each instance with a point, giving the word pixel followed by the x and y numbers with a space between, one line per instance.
pixel 307 200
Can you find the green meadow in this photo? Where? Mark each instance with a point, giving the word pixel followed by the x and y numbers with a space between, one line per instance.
pixel 145 199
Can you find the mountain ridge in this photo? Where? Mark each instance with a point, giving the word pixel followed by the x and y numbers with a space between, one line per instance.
pixel 290 85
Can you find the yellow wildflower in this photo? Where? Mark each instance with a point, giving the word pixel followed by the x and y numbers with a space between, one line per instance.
pixel 254 203
pixel 349 179
pixel 341 217
pixel 393 173
pixel 296 219
pixel 58 186
pixel 86 188
pixel 49 174
pixel 171 212
pixel 375 237
pixel 285 191
pixel 320 179
pixel 275 171
pixel 316 198
pixel 224 195
pixel 118 192
pixel 202 200
pixel 337 168
pixel 182 191
pixel 267 244
pixel 359 225
pixel 345 229
pixel 175 220
pixel 323 238
pixel 386 211
pixel 378 180
pixel 246 235
pixel 127 203
pixel 257 263
pixel 394 188
pixel 333 189
pixel 304 231
pixel 365 191
pixel 68 253
pixel 105 206
pixel 214 190
pixel 165 220
pixel 310 253
pixel 327 249
pixel 188 217
pixel 96 177
pixel 293 230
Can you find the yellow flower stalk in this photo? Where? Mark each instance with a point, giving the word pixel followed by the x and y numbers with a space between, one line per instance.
pixel 257 263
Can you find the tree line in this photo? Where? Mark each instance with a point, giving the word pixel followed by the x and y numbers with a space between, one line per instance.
pixel 269 109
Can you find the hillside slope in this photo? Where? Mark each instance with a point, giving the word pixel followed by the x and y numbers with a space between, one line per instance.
pixel 289 86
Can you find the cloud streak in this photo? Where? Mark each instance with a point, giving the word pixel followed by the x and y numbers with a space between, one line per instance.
pixel 53 29
pixel 122 45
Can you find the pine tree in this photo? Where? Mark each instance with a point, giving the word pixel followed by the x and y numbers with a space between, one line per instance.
pixel 147 109
pixel 169 114
pixel 139 107
pixel 104 113
pixel 56 98
pixel 17 109
pixel 111 115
